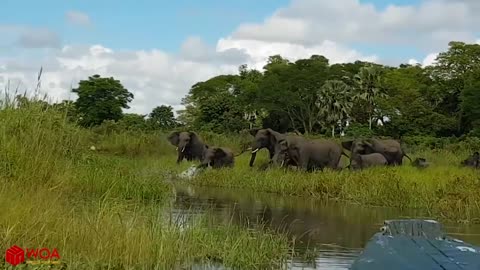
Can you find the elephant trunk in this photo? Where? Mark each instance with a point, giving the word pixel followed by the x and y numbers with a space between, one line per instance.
pixel 181 147
pixel 252 159
pixel 255 147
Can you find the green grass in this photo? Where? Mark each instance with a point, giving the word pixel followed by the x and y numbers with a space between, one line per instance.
pixel 106 209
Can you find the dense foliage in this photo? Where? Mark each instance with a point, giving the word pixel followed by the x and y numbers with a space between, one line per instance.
pixel 313 96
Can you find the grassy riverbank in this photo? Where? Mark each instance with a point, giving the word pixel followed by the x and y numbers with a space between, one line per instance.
pixel 444 190
pixel 106 209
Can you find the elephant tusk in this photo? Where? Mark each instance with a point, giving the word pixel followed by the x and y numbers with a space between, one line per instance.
pixel 176 149
pixel 183 149
pixel 283 161
pixel 254 151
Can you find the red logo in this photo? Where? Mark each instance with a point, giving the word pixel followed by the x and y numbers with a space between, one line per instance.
pixel 16 255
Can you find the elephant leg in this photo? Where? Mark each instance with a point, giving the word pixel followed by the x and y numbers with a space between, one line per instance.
pixel 271 154
pixel 303 163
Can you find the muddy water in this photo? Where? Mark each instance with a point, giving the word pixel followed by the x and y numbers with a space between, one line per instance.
pixel 327 235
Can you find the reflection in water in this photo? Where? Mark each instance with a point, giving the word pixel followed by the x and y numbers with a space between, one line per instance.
pixel 327 235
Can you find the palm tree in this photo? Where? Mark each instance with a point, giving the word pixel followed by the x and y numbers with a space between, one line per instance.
pixel 335 101
pixel 368 84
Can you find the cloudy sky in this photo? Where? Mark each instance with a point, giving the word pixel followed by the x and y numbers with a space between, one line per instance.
pixel 158 49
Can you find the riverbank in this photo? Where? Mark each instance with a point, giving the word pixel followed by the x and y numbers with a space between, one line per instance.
pixel 103 208
pixel 444 190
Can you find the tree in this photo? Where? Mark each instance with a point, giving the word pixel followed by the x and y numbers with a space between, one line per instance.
pixel 133 121
pixel 450 74
pixel 101 99
pixel 292 87
pixel 335 103
pixel 369 86
pixel 162 118
pixel 470 102
pixel 214 105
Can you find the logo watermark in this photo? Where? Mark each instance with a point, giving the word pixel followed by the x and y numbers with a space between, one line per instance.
pixel 16 255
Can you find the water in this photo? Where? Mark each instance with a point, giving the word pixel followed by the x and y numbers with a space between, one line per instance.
pixel 327 235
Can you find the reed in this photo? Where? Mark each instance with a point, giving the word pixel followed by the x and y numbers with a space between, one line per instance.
pixel 105 208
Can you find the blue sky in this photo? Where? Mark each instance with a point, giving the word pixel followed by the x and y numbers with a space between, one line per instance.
pixel 158 49
pixel 150 24
pixel 142 24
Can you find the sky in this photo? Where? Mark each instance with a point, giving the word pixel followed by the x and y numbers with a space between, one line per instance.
pixel 159 49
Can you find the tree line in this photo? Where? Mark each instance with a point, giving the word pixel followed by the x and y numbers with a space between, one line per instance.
pixel 310 96
pixel 360 98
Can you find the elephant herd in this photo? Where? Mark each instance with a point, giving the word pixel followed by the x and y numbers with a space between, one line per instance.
pixel 307 154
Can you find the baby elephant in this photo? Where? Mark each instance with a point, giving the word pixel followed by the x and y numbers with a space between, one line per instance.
pixel 472 161
pixel 421 163
pixel 217 157
pixel 368 160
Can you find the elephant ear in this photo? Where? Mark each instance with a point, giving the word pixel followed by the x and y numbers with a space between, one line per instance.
pixel 274 136
pixel 253 131
pixel 347 145
pixel 283 144
pixel 219 153
pixel 173 138
pixel 369 143
pixel 194 138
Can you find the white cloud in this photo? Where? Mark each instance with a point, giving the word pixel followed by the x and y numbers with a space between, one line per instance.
pixel 154 76
pixel 260 50
pixel 413 62
pixel 39 38
pixel 78 18
pixel 429 59
pixel 28 37
pixel 428 25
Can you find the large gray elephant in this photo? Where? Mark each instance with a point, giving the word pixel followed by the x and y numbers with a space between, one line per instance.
pixel 217 157
pixel 265 138
pixel 309 154
pixel 472 161
pixel 390 149
pixel 368 160
pixel 189 145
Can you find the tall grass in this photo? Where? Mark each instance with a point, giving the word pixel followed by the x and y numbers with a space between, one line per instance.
pixel 104 209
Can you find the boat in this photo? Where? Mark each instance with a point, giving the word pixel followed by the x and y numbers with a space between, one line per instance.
pixel 411 244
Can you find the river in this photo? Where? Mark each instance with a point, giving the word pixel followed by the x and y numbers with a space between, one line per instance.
pixel 328 235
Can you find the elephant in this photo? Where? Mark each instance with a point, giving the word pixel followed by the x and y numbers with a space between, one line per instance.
pixel 368 160
pixel 391 149
pixel 265 138
pixel 472 161
pixel 217 157
pixel 189 145
pixel 308 154
pixel 420 163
